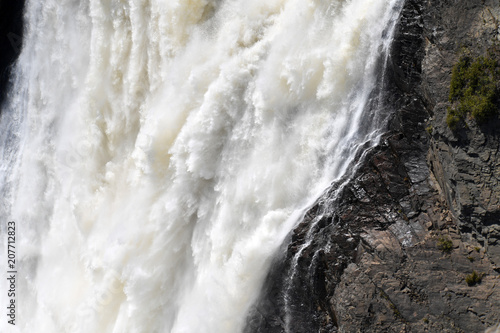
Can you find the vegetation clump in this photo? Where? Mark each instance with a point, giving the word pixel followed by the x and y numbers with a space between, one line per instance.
pixel 473 90
pixel 445 245
pixel 473 278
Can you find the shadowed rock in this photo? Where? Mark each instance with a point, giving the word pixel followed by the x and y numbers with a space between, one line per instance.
pixel 11 32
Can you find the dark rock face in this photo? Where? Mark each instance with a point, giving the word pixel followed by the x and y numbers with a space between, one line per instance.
pixel 466 163
pixel 368 257
pixel 11 32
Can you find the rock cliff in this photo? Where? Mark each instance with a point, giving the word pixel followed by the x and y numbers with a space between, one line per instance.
pixel 412 242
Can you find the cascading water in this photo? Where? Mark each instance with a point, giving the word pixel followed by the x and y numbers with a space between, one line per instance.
pixel 155 154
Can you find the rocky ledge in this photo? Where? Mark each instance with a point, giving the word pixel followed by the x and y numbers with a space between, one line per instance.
pixel 412 242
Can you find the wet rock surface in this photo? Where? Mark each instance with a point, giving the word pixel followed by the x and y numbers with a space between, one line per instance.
pixel 391 249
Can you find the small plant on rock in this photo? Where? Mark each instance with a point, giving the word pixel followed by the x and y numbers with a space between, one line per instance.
pixel 473 278
pixel 473 90
pixel 445 244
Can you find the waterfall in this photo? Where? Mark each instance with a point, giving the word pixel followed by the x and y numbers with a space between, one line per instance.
pixel 155 154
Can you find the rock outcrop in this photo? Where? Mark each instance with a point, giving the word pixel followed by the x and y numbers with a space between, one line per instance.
pixel 395 248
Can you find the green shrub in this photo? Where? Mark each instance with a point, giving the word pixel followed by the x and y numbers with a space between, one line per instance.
pixel 473 278
pixel 445 245
pixel 473 90
pixel 452 118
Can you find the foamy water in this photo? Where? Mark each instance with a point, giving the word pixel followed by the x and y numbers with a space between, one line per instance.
pixel 156 153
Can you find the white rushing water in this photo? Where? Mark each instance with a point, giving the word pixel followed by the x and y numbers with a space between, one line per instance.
pixel 155 153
